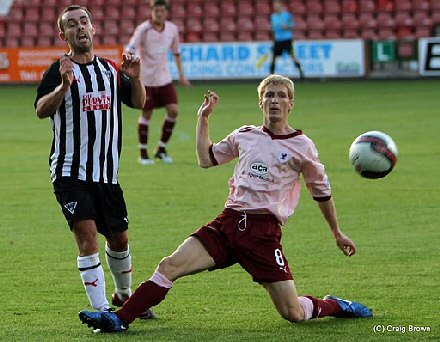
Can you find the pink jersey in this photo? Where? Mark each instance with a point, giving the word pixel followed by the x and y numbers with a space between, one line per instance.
pixel 153 48
pixel 267 175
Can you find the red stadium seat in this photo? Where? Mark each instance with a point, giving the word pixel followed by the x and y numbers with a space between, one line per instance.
pixel 44 41
pixel 211 25
pixel 263 8
pixel 245 24
pixel 97 13
pixel 31 14
pixel 314 7
pixel 299 34
pixel 47 29
pixel 367 6
pixel 211 9
pixel 194 10
pixel 245 7
pixel 314 22
pixel 350 33
pixel 332 34
pixel 193 24
pixel 349 21
pixel 405 32
pixel 423 31
pixel 227 24
pixel 386 33
pixel 128 12
pixel 227 36
pixel 366 20
pixel 332 6
pixel 14 30
pixel 126 27
pixel 315 34
pixel 27 41
pixel 403 18
pixel 349 6
pixel 297 8
pixel 228 8
pixel 16 14
pixel 332 22
pixel 385 19
pixel 210 37
pixel 111 28
pixel 300 24
pixel 109 39
pixel 12 42
pixel 2 29
pixel 263 35
pixel 368 33
pixel 245 36
pixel 262 23
pixel 420 5
pixel 403 5
pixel 112 12
pixel 177 11
pixel 385 5
pixel 193 37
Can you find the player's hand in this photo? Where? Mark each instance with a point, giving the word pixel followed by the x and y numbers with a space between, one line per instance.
pixel 208 105
pixel 66 71
pixel 131 65
pixel 345 244
pixel 184 82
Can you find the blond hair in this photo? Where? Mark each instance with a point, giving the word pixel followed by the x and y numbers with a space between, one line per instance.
pixel 276 80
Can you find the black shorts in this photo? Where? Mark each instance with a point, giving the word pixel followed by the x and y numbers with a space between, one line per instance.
pixel 283 45
pixel 103 203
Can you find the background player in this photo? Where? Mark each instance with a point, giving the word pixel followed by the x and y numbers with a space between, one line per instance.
pixel 82 94
pixel 282 26
pixel 264 192
pixel 152 40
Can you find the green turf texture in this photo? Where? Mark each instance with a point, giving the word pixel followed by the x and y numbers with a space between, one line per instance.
pixel 394 221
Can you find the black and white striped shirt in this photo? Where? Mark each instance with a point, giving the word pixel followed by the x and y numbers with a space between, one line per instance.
pixel 88 125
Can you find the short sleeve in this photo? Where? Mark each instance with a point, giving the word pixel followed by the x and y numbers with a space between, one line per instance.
pixel 51 79
pixel 126 90
pixel 175 45
pixel 226 150
pixel 315 176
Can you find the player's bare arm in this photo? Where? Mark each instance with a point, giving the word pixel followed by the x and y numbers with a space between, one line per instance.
pixel 49 103
pixel 345 244
pixel 203 141
pixel 183 81
pixel 131 67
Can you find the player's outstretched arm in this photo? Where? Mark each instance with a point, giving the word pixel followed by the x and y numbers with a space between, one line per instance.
pixel 203 141
pixel 48 104
pixel 344 243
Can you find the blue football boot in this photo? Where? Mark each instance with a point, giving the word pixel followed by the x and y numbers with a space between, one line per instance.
pixel 106 321
pixel 351 309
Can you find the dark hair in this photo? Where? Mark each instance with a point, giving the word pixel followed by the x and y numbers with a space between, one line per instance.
pixel 69 9
pixel 154 3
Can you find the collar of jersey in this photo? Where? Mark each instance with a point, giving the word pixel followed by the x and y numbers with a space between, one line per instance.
pixel 284 136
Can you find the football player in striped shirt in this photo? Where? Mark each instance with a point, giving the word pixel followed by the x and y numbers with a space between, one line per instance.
pixel 82 94
pixel 264 191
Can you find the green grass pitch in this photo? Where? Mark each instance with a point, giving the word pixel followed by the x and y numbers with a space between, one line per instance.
pixel 394 221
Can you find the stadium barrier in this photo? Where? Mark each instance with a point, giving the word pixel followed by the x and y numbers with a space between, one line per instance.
pixel 345 58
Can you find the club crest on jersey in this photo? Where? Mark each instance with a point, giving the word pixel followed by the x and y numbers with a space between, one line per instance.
pixel 93 101
pixel 283 157
pixel 108 74
pixel 71 207
pixel 259 168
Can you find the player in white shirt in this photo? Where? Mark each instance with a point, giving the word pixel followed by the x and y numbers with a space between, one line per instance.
pixel 264 192
pixel 152 40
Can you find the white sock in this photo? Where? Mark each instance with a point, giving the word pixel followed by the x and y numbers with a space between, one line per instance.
pixel 93 279
pixel 120 265
pixel 307 306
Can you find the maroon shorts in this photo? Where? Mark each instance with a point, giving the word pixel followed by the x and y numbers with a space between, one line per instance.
pixel 252 240
pixel 158 97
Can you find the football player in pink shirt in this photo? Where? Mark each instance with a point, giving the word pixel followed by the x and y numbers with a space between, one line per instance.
pixel 264 192
pixel 152 40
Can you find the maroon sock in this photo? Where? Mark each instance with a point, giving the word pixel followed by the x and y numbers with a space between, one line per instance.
pixel 324 307
pixel 167 130
pixel 143 139
pixel 148 294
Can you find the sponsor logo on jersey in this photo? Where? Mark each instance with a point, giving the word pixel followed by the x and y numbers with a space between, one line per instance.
pixel 283 157
pixel 91 101
pixel 259 168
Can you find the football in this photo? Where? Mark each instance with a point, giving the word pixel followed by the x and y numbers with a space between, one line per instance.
pixel 373 154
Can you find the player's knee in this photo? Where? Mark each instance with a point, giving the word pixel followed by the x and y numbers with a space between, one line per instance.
pixel 173 113
pixel 293 316
pixel 169 267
